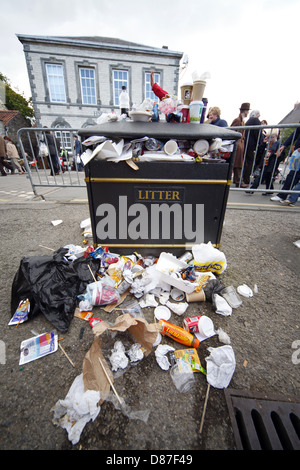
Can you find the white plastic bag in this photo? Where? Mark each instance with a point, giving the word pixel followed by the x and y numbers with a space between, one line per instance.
pixel 208 258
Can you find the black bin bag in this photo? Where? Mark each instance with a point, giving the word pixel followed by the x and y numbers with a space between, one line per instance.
pixel 52 284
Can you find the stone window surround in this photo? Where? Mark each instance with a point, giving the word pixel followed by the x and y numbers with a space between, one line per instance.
pixel 88 65
pixel 62 62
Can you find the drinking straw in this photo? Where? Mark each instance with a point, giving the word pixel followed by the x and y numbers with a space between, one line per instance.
pixel 110 382
pixel 204 408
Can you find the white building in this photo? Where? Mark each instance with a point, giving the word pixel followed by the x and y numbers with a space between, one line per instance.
pixel 74 79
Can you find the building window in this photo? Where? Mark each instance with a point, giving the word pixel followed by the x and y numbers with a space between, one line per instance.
pixel 88 85
pixel 65 138
pixel 56 82
pixel 148 89
pixel 120 78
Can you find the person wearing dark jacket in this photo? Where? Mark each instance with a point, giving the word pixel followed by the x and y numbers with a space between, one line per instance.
pixel 253 139
pixel 268 165
pixel 53 145
pixel 239 156
pixel 214 117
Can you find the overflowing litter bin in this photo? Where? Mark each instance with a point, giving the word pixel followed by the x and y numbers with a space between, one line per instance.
pixel 158 200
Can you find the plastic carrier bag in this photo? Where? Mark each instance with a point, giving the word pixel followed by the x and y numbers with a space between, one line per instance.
pixel 52 284
pixel 208 258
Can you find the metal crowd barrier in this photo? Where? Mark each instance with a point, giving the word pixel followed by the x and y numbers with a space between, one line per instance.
pixel 41 168
pixel 279 171
pixel 49 157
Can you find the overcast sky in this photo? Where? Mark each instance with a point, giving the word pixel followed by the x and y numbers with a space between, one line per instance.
pixel 250 49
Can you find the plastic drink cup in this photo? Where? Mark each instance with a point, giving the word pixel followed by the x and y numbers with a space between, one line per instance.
pixel 195 111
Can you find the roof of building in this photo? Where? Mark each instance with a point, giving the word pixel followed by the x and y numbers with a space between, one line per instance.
pixel 7 116
pixel 293 117
pixel 99 42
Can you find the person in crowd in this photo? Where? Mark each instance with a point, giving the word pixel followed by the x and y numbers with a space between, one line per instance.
pixel 13 155
pixel 214 117
pixel 238 162
pixel 54 150
pixel 293 176
pixel 3 155
pixel 77 150
pixel 253 140
pixel 124 101
pixel 268 165
pixel 261 149
pixel 293 197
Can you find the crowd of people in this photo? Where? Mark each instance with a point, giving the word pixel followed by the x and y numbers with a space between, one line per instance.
pixel 257 159
pixel 49 154
pixel 260 155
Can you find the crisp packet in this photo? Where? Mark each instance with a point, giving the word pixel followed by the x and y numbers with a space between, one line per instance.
pixel 21 314
pixel 190 356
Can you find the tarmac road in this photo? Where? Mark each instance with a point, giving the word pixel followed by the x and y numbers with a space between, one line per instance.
pixel 259 248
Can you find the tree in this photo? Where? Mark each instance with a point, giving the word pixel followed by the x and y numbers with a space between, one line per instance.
pixel 17 102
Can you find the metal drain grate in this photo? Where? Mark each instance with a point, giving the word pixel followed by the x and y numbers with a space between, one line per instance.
pixel 262 422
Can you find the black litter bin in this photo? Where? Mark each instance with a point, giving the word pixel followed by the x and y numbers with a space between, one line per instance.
pixel 161 206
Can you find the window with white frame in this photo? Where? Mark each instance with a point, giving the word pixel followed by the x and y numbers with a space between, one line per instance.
pixel 65 138
pixel 120 78
pixel 88 85
pixel 56 82
pixel 148 88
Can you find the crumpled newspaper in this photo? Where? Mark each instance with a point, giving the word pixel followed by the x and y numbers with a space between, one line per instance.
pixel 77 409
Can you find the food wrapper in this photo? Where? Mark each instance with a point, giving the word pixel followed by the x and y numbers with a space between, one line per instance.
pixel 21 314
pixel 190 356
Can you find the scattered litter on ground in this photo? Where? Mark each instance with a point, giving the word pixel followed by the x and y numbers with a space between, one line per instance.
pixel 56 222
pixel 75 280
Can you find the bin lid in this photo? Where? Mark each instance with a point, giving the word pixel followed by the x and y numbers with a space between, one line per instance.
pixel 160 130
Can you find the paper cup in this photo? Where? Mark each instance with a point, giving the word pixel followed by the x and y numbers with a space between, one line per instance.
pixel 201 147
pixel 196 296
pixel 198 89
pixel 177 295
pixel 186 93
pixel 170 147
